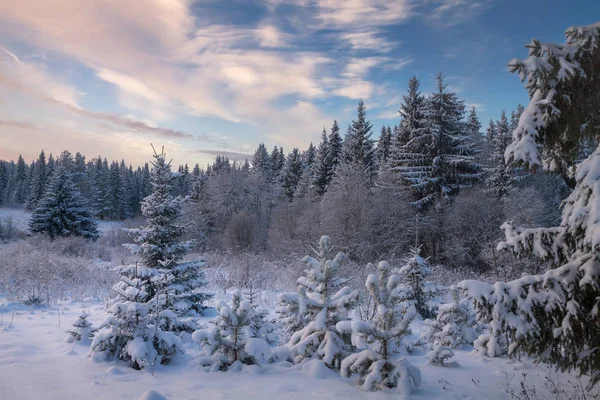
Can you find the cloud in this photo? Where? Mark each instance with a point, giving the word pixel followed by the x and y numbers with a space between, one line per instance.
pixel 449 13
pixel 166 62
pixel 232 155
pixel 11 55
pixel 16 124
pixel 390 114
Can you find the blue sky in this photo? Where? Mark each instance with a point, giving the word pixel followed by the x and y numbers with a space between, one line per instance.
pixel 207 77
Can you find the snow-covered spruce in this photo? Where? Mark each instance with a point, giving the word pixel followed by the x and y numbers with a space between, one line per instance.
pixel 379 338
pixel 61 211
pixel 82 330
pixel 448 330
pixel 152 297
pixel 433 152
pixel 291 313
pixel 416 288
pixel 555 315
pixel 134 332
pixel 323 301
pixel 230 340
pixel 176 285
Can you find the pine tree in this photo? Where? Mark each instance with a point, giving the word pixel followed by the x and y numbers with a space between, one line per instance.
pixel 473 124
pixel 160 248
pixel 415 286
pixel 62 211
pixel 37 182
pixel 325 301
pixel 230 342
pixel 406 162
pixel 439 160
pixel 358 148
pixel 554 316
pixel 82 329
pixel 336 145
pixel 323 166
pixel 292 173
pixel 383 146
pixel 115 193
pixel 448 331
pixel 99 189
pixel 261 161
pixel 50 167
pixel 501 176
pixel 21 182
pixel 379 338
pixel 134 332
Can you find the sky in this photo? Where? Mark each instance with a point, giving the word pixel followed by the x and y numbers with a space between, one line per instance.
pixel 208 77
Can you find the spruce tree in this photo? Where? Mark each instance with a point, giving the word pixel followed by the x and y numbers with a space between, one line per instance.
pixel 554 316
pixel 439 159
pixel 37 182
pixel 21 182
pixel 160 247
pixel 415 287
pixel 153 297
pixel 406 160
pixel 324 302
pixel 62 211
pixel 358 148
pixel 261 161
pixel 115 194
pixel 292 173
pixel 230 342
pixel 501 175
pixel 336 145
pixel 384 145
pixel 448 331
pixel 323 166
pixel 379 338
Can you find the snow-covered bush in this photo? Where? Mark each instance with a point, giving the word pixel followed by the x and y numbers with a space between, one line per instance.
pixel 322 301
pixel 82 329
pixel 416 288
pixel 39 268
pixel 133 332
pixel 379 338
pixel 231 338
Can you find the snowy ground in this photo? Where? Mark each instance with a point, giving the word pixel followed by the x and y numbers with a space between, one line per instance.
pixel 36 362
pixel 20 220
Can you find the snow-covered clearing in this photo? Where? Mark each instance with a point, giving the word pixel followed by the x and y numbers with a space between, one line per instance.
pixel 37 362
pixel 20 220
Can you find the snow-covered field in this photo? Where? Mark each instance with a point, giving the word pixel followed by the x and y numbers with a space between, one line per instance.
pixel 37 362
pixel 20 220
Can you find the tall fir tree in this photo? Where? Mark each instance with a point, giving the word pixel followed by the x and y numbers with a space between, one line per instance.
pixel 21 182
pixel 358 148
pixel 323 168
pixel 37 182
pixel 336 144
pixel 405 160
pixel 501 175
pixel 384 145
pixel 292 174
pixel 439 160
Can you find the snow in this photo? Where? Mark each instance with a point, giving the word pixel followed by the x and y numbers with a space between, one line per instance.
pixel 36 362
pixel 20 219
